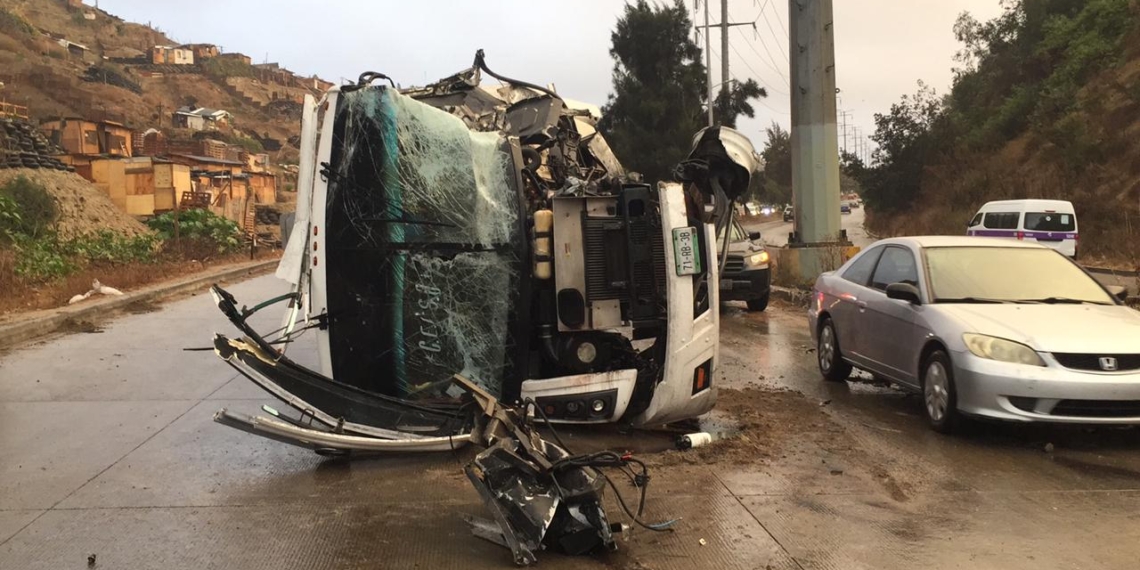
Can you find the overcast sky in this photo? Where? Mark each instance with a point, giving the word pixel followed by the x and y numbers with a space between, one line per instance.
pixel 883 47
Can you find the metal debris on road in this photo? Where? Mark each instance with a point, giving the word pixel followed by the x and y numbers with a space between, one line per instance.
pixel 691 440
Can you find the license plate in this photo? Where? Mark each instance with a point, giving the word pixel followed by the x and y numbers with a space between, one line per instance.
pixel 685 251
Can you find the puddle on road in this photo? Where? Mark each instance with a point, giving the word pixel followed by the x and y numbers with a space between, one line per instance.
pixel 1096 469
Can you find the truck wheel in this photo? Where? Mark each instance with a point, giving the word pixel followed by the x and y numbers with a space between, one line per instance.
pixel 759 304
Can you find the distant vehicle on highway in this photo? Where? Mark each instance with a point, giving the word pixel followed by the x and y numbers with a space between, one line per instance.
pixel 845 208
pixel 982 327
pixel 746 276
pixel 789 214
pixel 1049 222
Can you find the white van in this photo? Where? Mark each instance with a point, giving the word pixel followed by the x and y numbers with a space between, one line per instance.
pixel 1050 222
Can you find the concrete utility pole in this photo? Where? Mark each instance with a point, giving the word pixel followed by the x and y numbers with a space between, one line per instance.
pixel 708 60
pixel 815 145
pixel 844 114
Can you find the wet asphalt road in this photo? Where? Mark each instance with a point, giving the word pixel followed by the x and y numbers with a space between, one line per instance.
pixel 107 447
pixel 775 232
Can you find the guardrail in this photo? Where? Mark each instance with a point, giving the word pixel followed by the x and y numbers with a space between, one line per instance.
pixel 1113 272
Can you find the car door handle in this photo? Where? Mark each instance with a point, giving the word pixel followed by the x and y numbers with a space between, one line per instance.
pixel 861 304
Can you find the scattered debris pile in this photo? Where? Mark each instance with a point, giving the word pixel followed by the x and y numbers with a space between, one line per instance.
pixel 267 220
pixel 83 208
pixel 542 496
pixel 96 287
pixel 23 146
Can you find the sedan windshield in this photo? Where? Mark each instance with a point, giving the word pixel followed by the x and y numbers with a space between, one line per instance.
pixel 1006 274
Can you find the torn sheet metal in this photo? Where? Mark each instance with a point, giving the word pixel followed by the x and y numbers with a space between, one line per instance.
pixel 559 137
pixel 334 405
pixel 294 257
pixel 540 497
pixel 325 440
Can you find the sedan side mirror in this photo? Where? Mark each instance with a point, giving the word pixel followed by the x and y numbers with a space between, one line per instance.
pixel 1118 291
pixel 904 292
pixel 754 236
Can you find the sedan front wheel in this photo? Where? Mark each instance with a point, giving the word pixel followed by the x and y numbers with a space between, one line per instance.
pixel 939 394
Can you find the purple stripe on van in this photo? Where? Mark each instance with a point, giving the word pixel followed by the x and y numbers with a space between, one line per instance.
pixel 1027 235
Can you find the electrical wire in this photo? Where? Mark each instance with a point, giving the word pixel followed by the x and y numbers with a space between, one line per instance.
pixel 779 20
pixel 771 61
pixel 599 461
pixel 768 23
pixel 768 85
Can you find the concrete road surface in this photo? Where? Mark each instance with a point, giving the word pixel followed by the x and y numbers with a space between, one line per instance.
pixel 107 448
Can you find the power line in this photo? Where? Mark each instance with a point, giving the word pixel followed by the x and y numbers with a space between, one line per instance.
pixel 775 37
pixel 754 72
pixel 775 15
pixel 762 101
pixel 771 62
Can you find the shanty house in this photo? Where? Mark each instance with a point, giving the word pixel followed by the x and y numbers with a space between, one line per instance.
pixel 201 118
pixel 77 51
pixel 169 55
pixel 201 51
pixel 236 57
pixel 82 137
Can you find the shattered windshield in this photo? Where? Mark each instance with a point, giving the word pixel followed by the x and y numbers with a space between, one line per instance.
pixel 423 222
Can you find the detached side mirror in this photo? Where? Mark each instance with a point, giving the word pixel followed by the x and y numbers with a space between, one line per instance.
pixel 754 236
pixel 1118 291
pixel 904 292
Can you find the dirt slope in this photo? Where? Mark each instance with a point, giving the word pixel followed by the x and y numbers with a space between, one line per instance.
pixel 83 208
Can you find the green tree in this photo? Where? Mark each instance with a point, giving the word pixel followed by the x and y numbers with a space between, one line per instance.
pixel 906 144
pixel 776 182
pixel 659 96
pixel 733 102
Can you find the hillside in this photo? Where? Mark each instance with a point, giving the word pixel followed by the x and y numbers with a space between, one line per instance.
pixel 1046 105
pixel 107 76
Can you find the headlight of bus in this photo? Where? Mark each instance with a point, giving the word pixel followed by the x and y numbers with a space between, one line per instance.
pixel 993 348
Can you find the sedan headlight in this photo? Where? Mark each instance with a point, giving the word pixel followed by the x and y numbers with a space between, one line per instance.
pixel 756 259
pixel 1002 350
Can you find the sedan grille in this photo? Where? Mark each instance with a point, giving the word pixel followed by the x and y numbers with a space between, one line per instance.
pixel 1124 362
pixel 1098 408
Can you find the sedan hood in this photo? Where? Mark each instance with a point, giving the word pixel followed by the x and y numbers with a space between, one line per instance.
pixel 1100 329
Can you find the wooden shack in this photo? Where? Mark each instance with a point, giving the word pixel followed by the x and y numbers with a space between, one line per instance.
pixel 140 186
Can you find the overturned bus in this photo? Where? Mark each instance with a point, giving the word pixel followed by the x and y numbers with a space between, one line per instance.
pixel 487 233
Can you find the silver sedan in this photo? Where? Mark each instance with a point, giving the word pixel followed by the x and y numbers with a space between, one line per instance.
pixel 980 327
